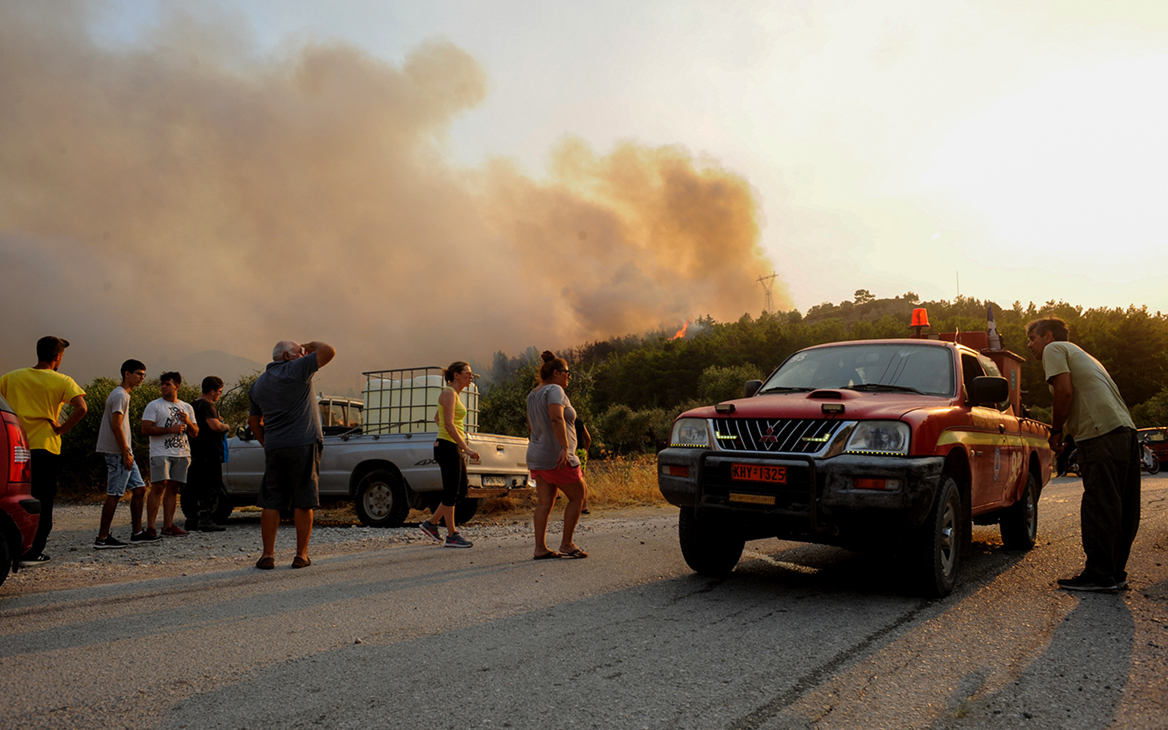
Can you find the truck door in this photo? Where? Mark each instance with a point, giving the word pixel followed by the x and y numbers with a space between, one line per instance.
pixel 1012 466
pixel 989 447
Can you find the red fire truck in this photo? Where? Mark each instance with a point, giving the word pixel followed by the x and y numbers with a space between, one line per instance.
pixel 907 441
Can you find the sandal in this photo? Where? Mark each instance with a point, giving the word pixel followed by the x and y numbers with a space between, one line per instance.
pixel 299 562
pixel 266 563
pixel 576 554
pixel 553 555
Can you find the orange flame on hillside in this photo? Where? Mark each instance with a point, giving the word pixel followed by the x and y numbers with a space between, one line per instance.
pixel 681 332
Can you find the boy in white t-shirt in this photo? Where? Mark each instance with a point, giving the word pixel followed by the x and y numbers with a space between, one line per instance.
pixel 168 421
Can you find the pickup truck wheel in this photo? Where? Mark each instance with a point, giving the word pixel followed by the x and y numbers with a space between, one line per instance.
pixel 936 549
pixel 5 558
pixel 381 499
pixel 711 544
pixel 1019 522
pixel 465 510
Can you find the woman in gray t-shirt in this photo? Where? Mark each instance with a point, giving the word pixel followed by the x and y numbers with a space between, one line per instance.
pixel 551 456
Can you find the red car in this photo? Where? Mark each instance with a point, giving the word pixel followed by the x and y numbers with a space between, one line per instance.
pixel 19 512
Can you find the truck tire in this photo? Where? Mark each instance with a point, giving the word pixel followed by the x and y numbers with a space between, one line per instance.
pixel 465 510
pixel 1019 522
pixel 935 551
pixel 381 499
pixel 5 558
pixel 711 544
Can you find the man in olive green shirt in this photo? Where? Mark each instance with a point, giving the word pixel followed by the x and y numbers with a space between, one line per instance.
pixel 1087 405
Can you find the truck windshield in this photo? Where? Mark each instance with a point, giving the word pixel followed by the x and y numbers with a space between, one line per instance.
pixel 871 367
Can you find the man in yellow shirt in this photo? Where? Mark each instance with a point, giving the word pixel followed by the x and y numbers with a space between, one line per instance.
pixel 1086 404
pixel 37 394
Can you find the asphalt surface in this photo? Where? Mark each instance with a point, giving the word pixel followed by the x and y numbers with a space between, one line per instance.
pixel 409 634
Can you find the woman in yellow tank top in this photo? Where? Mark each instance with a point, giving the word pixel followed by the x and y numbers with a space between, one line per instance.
pixel 449 451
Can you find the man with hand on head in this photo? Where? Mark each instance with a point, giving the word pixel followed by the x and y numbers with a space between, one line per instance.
pixel 286 421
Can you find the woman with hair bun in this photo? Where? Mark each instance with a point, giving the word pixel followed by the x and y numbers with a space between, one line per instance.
pixel 449 451
pixel 551 456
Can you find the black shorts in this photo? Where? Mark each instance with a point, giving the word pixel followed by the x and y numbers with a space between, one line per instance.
pixel 291 478
pixel 454 484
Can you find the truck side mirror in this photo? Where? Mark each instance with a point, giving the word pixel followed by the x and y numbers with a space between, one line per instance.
pixel 244 433
pixel 752 387
pixel 988 389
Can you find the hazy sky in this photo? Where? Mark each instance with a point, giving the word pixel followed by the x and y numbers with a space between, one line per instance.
pixel 490 175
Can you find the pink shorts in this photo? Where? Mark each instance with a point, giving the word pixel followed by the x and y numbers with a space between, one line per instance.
pixel 560 475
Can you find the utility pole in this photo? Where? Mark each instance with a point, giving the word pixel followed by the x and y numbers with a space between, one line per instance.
pixel 767 283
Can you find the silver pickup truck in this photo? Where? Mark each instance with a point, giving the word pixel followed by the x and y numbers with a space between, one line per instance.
pixel 379 452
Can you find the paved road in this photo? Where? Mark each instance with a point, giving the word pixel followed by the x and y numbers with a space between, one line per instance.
pixel 416 635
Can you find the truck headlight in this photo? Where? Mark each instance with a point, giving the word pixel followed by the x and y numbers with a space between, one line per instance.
pixel 691 432
pixel 878 437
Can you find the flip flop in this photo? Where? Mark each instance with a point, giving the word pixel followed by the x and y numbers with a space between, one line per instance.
pixel 553 555
pixel 266 563
pixel 576 554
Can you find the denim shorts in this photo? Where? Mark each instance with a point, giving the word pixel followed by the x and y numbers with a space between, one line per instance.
pixel 118 477
pixel 169 468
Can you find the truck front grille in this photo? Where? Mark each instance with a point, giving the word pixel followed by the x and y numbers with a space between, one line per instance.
pixel 778 435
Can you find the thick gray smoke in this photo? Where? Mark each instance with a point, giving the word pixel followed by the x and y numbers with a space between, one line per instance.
pixel 187 196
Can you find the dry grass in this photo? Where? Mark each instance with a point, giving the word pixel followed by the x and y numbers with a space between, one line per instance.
pixel 615 483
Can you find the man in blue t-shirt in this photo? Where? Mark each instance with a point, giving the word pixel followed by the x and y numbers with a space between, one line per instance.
pixel 284 418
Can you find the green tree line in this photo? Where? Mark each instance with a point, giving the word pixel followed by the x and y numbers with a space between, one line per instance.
pixel 629 389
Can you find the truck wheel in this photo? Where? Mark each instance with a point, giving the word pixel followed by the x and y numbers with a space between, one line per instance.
pixel 381 499
pixel 1019 522
pixel 465 510
pixel 711 544
pixel 5 558
pixel 936 549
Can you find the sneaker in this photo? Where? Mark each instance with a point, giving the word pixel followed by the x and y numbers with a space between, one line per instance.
pixel 174 531
pixel 430 529
pixel 108 543
pixel 34 562
pixel 1084 582
pixel 457 541
pixel 209 526
pixel 144 537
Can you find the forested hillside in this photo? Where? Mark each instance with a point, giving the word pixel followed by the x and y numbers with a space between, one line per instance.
pixel 629 389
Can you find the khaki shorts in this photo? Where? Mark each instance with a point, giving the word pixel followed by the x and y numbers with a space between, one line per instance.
pixel 169 469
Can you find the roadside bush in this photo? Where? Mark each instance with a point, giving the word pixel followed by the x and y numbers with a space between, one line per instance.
pixel 717 384
pixel 621 430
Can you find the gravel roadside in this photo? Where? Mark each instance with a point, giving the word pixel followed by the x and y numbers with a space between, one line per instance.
pixel 75 563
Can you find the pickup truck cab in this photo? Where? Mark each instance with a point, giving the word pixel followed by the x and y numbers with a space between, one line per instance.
pixel 379 453
pixel 859 444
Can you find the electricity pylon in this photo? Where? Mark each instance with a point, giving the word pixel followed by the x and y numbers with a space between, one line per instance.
pixel 767 283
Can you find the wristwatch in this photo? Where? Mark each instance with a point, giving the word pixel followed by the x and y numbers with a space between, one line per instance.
pixel 1055 431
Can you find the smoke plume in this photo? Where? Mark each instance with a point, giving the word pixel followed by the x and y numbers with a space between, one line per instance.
pixel 188 195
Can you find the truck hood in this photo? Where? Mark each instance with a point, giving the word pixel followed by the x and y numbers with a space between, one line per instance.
pixel 857 405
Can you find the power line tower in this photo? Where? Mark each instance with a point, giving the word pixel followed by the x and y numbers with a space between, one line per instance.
pixel 767 284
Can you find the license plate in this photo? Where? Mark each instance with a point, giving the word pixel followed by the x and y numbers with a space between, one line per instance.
pixel 494 481
pixel 757 473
